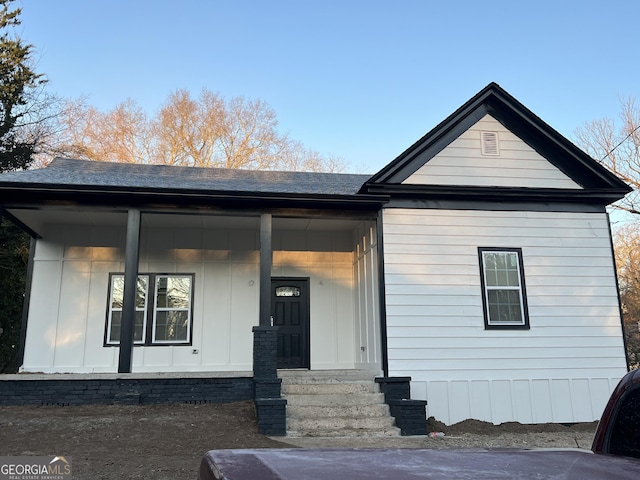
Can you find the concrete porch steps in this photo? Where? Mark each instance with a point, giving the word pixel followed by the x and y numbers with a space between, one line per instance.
pixel 335 403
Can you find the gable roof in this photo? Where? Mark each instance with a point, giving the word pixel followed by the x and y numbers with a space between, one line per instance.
pixel 104 183
pixel 598 184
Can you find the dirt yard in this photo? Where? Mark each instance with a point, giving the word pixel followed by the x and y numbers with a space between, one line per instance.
pixel 166 441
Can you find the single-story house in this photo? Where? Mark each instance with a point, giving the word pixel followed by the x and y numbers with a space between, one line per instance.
pixel 478 262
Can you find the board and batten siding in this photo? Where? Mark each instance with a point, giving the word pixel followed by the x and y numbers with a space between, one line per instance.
pixel 68 308
pixel 561 370
pixel 367 303
pixel 517 165
pixel 326 258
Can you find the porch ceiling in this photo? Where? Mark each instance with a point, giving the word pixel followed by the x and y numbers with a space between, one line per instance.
pixel 36 219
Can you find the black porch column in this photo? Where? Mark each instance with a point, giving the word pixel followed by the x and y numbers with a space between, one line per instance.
pixel 266 260
pixel 132 250
pixel 265 334
pixel 382 299
pixel 270 408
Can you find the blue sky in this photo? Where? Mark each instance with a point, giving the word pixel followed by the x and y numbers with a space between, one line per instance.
pixel 360 79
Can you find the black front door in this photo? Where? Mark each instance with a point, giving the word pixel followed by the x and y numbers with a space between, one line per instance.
pixel 290 312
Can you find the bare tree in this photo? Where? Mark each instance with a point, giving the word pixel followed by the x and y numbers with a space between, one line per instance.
pixel 207 131
pixel 120 135
pixel 186 131
pixel 617 146
pixel 250 138
pixel 295 157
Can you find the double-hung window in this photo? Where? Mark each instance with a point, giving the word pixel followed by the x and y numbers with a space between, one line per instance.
pixel 164 312
pixel 172 309
pixel 503 289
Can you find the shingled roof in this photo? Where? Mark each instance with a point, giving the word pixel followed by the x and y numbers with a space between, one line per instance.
pixel 69 173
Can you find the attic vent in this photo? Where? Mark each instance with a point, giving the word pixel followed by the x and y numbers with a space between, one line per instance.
pixel 489 143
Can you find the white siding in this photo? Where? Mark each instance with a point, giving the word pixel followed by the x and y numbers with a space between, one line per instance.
pixel 462 163
pixel 326 258
pixel 368 343
pixel 561 370
pixel 66 324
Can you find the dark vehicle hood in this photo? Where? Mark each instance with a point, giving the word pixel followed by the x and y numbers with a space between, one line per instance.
pixel 399 464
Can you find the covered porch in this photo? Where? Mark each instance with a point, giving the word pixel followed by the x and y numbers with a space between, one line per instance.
pixel 242 268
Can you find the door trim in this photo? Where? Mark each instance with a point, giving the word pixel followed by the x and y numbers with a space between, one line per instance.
pixel 306 330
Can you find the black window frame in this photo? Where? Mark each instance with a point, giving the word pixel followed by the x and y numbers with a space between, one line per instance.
pixel 488 325
pixel 148 333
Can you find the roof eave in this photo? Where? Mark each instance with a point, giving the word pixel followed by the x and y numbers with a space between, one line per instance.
pixel 16 194
pixel 600 196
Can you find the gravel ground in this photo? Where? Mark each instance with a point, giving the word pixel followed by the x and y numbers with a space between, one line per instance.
pixel 560 439
pixel 472 434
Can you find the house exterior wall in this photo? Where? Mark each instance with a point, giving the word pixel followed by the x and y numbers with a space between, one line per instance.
pixel 66 324
pixel 327 258
pixel 560 370
pixel 517 165
pixel 367 306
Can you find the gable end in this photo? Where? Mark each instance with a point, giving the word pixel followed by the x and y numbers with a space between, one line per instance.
pixel 514 116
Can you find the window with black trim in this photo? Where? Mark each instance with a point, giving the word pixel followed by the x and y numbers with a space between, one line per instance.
pixel 504 296
pixel 164 309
